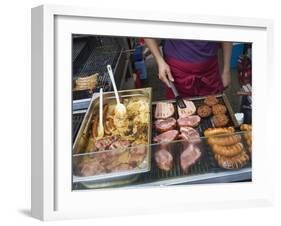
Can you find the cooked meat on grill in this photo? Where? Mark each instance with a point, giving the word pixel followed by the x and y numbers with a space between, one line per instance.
pixel 218 109
pixel 164 110
pixel 211 100
pixel 189 110
pixel 189 121
pixel 224 140
pixel 189 134
pixel 88 82
pixel 220 120
pixel 248 135
pixel 228 151
pixel 204 111
pixel 163 125
pixel 189 156
pixel 164 158
pixel 217 131
pixel 166 136
pixel 235 162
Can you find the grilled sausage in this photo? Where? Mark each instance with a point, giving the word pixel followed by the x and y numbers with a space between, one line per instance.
pixel 228 151
pixel 247 135
pixel 95 126
pixel 235 162
pixel 216 131
pixel 224 140
pixel 246 127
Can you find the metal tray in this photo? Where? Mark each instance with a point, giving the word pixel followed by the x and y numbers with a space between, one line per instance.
pixel 84 131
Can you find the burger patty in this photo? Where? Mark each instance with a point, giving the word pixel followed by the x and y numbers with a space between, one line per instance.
pixel 211 100
pixel 204 111
pixel 220 120
pixel 218 109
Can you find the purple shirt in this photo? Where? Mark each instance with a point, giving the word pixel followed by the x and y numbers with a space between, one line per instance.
pixel 191 51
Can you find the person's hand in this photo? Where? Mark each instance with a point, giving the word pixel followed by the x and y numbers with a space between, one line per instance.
pixel 165 73
pixel 226 78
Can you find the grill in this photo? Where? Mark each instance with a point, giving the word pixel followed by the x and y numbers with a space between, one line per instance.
pixel 78 45
pixel 206 164
pixel 91 55
pixel 77 119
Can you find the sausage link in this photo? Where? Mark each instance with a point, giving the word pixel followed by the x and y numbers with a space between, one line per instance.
pixel 224 140
pixel 228 151
pixel 235 162
pixel 216 131
pixel 95 126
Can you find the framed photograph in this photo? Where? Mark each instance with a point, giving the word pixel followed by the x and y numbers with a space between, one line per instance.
pixel 141 112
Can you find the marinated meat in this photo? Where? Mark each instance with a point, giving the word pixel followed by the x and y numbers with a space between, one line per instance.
pixel 164 110
pixel 189 110
pixel 204 111
pixel 190 134
pixel 220 120
pixel 218 109
pixel 164 158
pixel 189 156
pixel 137 155
pixel 121 167
pixel 166 136
pixel 189 121
pixel 90 167
pixel 119 144
pixel 211 100
pixel 163 125
pixel 105 142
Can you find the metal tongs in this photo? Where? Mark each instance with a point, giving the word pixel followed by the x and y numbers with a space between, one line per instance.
pixel 179 100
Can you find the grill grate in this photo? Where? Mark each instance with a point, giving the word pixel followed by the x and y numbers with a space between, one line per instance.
pixel 78 45
pixel 96 55
pixel 205 164
pixel 77 119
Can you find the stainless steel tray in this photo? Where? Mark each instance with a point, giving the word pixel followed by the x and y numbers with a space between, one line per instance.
pixel 83 135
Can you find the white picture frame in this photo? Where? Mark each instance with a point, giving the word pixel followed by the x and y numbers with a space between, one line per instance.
pixel 52 197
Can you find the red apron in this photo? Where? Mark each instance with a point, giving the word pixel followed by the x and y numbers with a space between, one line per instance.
pixel 195 79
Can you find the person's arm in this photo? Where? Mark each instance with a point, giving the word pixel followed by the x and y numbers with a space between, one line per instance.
pixel 163 68
pixel 226 72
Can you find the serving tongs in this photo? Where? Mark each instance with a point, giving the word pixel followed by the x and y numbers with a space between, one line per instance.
pixel 120 108
pixel 179 99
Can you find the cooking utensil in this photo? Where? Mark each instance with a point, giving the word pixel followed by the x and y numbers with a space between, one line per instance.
pixel 100 128
pixel 179 100
pixel 120 108
pixel 243 93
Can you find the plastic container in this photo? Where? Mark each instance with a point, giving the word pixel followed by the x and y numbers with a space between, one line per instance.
pixel 237 50
pixel 239 117
pixel 141 68
pixel 137 55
